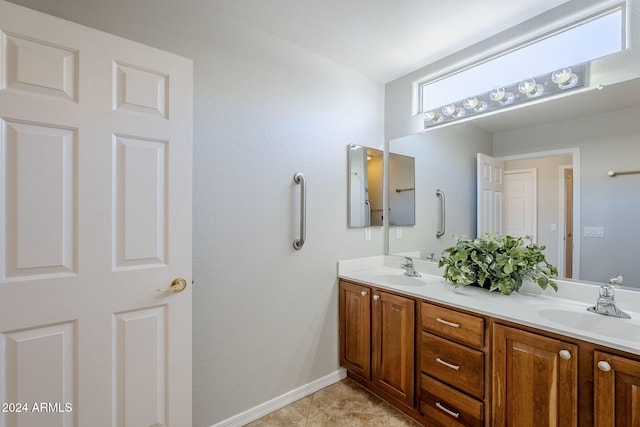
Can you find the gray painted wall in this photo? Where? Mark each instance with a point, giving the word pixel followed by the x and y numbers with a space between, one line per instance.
pixel 445 160
pixel 265 316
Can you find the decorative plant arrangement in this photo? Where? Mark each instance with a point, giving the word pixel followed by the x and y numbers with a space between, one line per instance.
pixel 497 262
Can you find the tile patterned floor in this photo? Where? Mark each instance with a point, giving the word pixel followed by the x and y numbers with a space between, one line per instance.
pixel 343 404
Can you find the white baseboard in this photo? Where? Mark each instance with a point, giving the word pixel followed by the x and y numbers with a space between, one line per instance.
pixel 282 400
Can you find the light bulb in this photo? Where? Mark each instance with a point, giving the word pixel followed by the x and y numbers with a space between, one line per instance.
pixel 470 103
pixel 497 94
pixel 501 96
pixel 561 76
pixel 564 78
pixel 432 116
pixel 530 88
pixel 527 86
pixel 480 107
pixel 449 109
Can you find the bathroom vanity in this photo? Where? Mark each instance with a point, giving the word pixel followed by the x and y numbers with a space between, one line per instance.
pixel 468 357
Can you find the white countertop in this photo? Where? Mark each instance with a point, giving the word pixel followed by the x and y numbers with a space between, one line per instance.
pixel 563 312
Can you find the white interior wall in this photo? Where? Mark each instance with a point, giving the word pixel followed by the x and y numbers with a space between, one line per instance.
pixel 265 315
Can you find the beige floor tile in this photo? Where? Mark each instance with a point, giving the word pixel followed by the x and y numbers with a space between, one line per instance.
pixel 333 418
pixel 343 404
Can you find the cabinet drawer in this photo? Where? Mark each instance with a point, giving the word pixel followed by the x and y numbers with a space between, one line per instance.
pixel 452 324
pixel 452 363
pixel 448 406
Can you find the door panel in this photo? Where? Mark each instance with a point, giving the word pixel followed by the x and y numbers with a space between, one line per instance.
pixel 35 244
pixel 535 380
pixel 617 391
pixel 520 218
pixel 95 213
pixel 393 345
pixel 490 193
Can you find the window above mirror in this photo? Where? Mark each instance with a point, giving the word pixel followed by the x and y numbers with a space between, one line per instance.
pixel 591 38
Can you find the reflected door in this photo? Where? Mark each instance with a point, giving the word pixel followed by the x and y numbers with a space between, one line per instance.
pixel 490 182
pixel 520 202
pixel 95 212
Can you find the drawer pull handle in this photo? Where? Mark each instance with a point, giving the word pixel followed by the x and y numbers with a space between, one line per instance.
pixel 448 365
pixel 455 325
pixel 448 411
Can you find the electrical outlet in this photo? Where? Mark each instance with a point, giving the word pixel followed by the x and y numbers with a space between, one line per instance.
pixel 398 232
pixel 367 234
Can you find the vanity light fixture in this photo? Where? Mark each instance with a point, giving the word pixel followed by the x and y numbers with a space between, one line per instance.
pixel 547 85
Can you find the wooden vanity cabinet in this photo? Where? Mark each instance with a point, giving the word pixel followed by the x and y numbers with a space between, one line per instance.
pixel 377 331
pixel 535 379
pixel 452 363
pixel 471 370
pixel 616 391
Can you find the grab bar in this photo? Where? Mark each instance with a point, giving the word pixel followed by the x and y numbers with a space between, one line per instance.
pixel 299 179
pixel 440 231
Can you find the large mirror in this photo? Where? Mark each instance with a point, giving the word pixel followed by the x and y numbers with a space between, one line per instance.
pixel 560 153
pixel 365 184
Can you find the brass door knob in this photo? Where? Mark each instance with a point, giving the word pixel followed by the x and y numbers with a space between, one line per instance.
pixel 178 285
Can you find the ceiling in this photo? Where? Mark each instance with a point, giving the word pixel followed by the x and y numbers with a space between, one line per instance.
pixel 383 39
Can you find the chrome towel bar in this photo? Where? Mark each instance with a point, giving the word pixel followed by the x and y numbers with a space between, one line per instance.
pixel 299 179
pixel 440 231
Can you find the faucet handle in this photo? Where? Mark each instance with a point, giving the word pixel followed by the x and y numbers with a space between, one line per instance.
pixel 606 291
pixel 616 280
pixel 407 261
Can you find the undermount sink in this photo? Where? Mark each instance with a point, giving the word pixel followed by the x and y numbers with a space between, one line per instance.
pixel 577 317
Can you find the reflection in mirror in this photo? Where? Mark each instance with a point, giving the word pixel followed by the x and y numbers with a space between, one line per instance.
pixel 402 193
pixel 365 186
pixel 579 138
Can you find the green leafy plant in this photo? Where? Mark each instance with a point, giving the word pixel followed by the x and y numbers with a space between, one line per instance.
pixel 497 262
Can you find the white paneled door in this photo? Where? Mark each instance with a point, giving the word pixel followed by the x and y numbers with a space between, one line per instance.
pixel 490 185
pixel 95 217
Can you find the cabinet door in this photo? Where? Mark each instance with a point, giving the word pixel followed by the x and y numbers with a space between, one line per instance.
pixel 617 391
pixel 535 380
pixel 393 345
pixel 355 328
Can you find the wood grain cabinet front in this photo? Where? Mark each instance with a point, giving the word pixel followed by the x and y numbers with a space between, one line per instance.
pixel 447 406
pixel 535 379
pixel 454 325
pixel 377 339
pixel 393 345
pixel 355 328
pixel 452 363
pixel 616 391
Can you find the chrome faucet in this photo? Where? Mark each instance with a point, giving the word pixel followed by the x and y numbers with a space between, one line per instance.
pixel 606 303
pixel 407 266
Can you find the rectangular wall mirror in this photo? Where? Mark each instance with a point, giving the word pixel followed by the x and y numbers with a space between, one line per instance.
pixel 365 186
pixel 586 217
